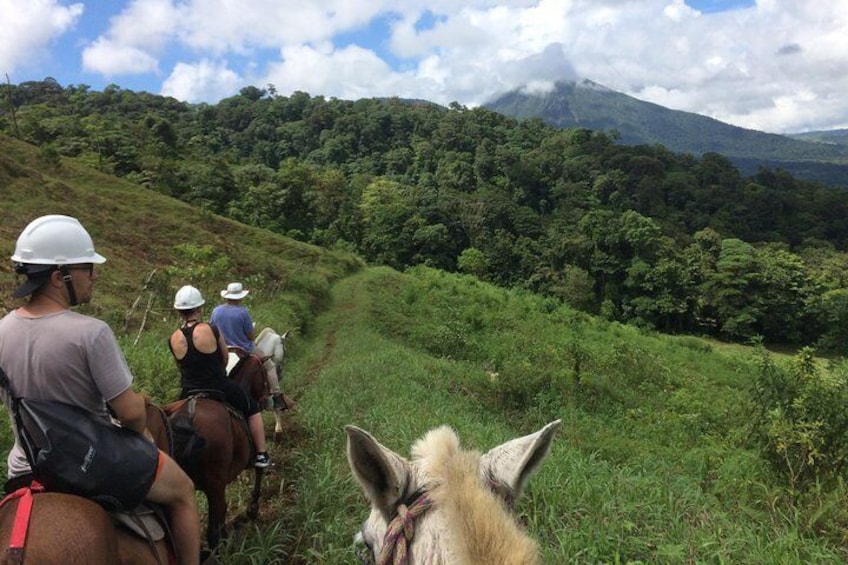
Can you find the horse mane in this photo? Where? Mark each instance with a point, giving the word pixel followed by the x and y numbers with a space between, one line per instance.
pixel 481 528
pixel 265 331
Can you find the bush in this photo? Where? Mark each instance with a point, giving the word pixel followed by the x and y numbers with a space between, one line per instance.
pixel 801 419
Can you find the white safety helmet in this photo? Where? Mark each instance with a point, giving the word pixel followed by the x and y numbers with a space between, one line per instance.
pixel 188 298
pixel 54 240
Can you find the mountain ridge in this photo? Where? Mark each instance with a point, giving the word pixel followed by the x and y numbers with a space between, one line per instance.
pixel 594 106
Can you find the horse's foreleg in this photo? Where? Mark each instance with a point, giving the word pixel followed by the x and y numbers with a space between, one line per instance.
pixel 278 426
pixel 253 507
pixel 216 498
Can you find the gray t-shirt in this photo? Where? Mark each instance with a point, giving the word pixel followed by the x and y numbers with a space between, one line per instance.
pixel 64 356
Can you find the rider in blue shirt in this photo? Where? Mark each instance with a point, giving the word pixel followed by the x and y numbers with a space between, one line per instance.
pixel 236 325
pixel 233 319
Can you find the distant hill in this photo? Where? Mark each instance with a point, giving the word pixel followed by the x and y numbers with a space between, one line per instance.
pixel 590 105
pixel 836 136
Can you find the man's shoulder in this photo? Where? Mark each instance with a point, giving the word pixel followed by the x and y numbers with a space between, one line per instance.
pixel 92 328
pixel 85 320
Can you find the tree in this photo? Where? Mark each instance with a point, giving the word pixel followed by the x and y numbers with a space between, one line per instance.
pixel 730 289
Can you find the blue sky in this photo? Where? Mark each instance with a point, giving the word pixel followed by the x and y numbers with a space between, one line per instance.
pixel 772 65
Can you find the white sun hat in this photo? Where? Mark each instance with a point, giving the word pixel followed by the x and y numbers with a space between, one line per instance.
pixel 234 291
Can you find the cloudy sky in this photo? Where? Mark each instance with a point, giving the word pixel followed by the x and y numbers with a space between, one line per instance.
pixel 774 65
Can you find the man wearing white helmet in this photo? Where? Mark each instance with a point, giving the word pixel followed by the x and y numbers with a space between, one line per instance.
pixel 201 355
pixel 52 353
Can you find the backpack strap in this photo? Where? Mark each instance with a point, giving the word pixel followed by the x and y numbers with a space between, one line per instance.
pixel 12 403
pixel 5 384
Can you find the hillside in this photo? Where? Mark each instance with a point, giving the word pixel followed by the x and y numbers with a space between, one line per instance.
pixel 153 245
pixel 637 233
pixel 658 456
pixel 139 230
pixel 836 136
pixel 589 105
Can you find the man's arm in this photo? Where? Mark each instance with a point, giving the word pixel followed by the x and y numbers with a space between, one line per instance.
pixel 130 410
pixel 248 326
pixel 222 347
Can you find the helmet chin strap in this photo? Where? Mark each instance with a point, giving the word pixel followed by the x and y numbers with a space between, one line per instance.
pixel 69 285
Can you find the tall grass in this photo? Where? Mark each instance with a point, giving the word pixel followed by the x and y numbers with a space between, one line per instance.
pixel 652 465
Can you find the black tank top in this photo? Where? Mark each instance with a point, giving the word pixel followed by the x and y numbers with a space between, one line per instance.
pixel 199 369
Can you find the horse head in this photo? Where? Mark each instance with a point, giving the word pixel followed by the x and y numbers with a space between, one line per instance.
pixel 455 505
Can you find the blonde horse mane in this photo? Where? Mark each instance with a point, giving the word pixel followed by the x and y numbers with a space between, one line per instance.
pixel 481 528
pixel 264 332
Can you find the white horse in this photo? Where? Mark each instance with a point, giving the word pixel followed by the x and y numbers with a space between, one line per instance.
pixel 271 347
pixel 445 505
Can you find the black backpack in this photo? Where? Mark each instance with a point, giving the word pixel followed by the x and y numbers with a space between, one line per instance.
pixel 73 451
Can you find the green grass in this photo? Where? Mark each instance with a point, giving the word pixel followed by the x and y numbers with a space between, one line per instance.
pixel 651 464
pixel 654 462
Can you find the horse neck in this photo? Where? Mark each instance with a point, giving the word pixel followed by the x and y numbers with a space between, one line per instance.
pixel 263 338
pixel 268 342
pixel 250 374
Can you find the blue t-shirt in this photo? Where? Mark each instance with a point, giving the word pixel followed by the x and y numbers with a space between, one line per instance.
pixel 235 324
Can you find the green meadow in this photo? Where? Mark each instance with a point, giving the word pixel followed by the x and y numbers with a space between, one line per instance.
pixel 673 449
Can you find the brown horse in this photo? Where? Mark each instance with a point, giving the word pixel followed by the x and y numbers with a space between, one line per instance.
pixel 73 530
pixel 224 447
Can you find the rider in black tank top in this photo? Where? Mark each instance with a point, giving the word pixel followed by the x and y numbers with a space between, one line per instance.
pixel 199 370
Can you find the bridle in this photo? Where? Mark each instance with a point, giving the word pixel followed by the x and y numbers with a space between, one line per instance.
pixel 400 531
pixel 401 528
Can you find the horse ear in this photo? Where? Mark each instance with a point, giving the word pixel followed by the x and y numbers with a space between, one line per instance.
pixel 382 474
pixel 514 462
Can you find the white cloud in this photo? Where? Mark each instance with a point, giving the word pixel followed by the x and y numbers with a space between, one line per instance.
pixel 348 73
pixel 135 38
pixel 145 24
pixel 204 81
pixel 110 58
pixel 28 27
pixel 218 26
pixel 777 65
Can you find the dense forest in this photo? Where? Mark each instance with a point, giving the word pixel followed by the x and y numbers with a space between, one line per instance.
pixel 636 234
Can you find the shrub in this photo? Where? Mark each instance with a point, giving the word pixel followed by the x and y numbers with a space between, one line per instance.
pixel 801 421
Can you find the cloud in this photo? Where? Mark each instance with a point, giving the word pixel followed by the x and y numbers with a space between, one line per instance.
pixel 107 57
pixel 134 40
pixel 790 49
pixel 777 65
pixel 218 26
pixel 28 28
pixel 146 24
pixel 349 73
pixel 204 81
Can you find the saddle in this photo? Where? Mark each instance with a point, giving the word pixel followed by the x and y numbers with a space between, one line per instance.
pixel 147 521
pixel 187 444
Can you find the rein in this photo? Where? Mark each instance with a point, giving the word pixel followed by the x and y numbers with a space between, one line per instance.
pixel 166 424
pixel 401 529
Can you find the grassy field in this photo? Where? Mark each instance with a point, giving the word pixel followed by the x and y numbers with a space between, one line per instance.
pixel 654 463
